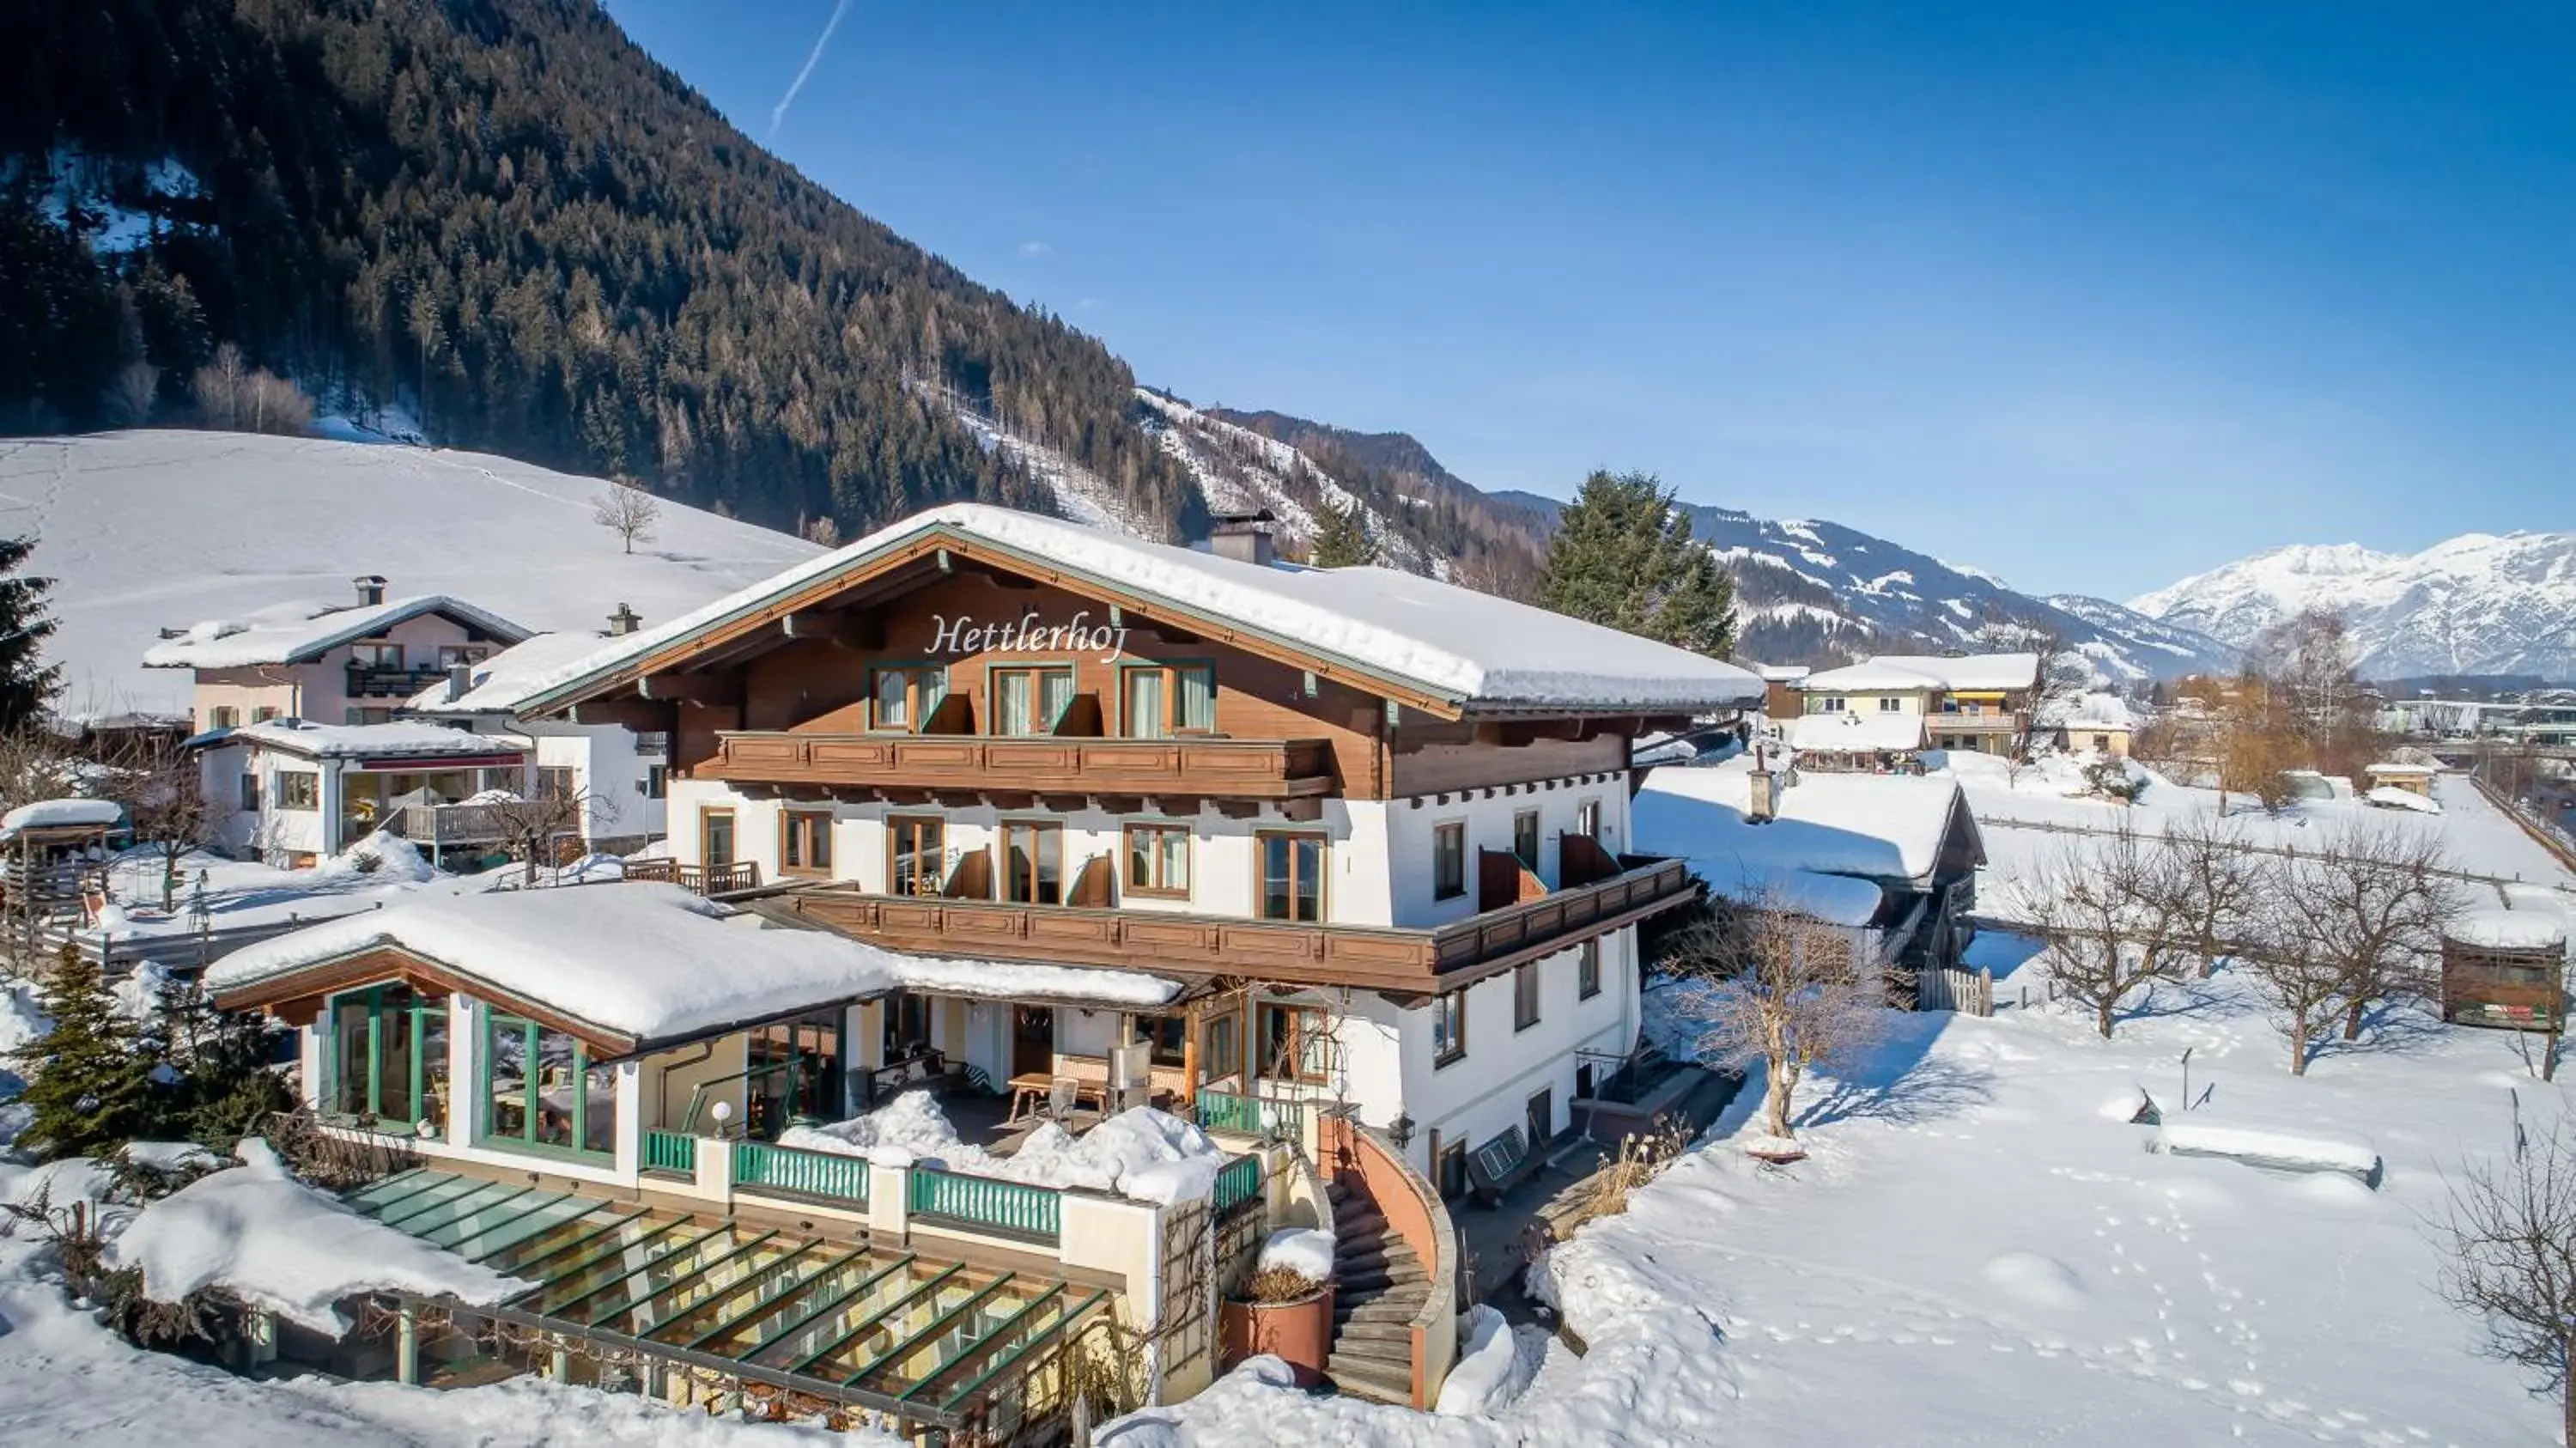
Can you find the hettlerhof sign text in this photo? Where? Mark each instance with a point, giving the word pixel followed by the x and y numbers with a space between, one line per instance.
pixel 1030 633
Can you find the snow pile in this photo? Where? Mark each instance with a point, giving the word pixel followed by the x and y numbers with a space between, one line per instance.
pixel 2389 796
pixel 1491 1369
pixel 54 813
pixel 2260 1146
pixel 1306 1251
pixel 258 1234
pixel 2509 929
pixel 386 859
pixel 1142 1154
pixel 1442 638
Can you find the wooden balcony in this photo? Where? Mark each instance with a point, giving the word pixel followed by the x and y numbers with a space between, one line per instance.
pixel 1262 769
pixel 368 681
pixel 1996 721
pixel 1407 963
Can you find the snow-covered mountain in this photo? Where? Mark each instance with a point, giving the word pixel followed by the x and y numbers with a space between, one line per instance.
pixel 142 530
pixel 1241 471
pixel 2480 603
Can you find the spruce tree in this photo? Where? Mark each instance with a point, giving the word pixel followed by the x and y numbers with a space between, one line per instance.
pixel 89 1081
pixel 1343 541
pixel 27 683
pixel 1623 556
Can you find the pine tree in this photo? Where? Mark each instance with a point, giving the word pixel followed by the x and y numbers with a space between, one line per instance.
pixel 89 1082
pixel 27 685
pixel 1624 557
pixel 1343 541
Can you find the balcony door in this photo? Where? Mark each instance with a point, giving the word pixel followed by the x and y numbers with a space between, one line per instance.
pixel 715 838
pixel 1030 701
pixel 1033 862
pixel 1292 875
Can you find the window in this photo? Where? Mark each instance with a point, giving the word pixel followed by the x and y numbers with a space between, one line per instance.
pixel 1525 995
pixel 1295 1045
pixel 1030 701
pixel 556 782
pixel 263 713
pixel 1587 818
pixel 653 744
pixel 805 841
pixel 1827 704
pixel 1033 862
pixel 905 698
pixel 715 838
pixel 1525 838
pixel 298 790
pixel 1890 704
pixel 223 716
pixel 1449 860
pixel 450 655
pixel 916 845
pixel 657 781
pixel 1219 1046
pixel 250 794
pixel 1587 971
pixel 1449 1028
pixel 1158 860
pixel 1292 875
pixel 376 654
pixel 1159 701
pixel 356 715
pixel 1166 1034
pixel 388 1056
pixel 541 1090
pixel 907 1025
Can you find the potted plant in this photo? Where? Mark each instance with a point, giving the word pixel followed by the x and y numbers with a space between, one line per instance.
pixel 1283 1311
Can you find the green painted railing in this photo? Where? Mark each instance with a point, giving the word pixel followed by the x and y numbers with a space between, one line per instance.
pixel 1237 1182
pixel 1026 1211
pixel 1251 1115
pixel 807 1173
pixel 671 1151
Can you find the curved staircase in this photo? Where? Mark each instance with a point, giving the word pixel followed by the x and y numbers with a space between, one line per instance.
pixel 1378 1287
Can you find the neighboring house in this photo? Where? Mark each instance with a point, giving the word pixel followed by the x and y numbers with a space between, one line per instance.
pixel 2409 775
pixel 619 774
pixel 349 663
pixel 1371 825
pixel 1875 713
pixel 293 792
pixel 1890 858
pixel 2091 723
pixel 1779 687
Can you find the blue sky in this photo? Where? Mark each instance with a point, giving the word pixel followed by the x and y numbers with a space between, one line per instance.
pixel 2090 296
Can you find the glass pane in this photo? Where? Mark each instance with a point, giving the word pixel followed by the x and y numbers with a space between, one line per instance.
pixel 932 686
pixel 1055 695
pixel 1197 689
pixel 1309 854
pixel 818 844
pixel 1176 859
pixel 1274 877
pixel 1050 859
pixel 355 1061
pixel 508 1069
pixel 1011 702
pixel 394 1055
pixel 716 840
pixel 1140 859
pixel 433 1061
pixel 1020 870
pixel 894 699
pixel 556 1085
pixel 1145 704
pixel 599 1119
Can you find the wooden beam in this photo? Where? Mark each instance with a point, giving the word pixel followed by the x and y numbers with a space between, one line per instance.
pixel 691 688
pixel 850 628
pixel 644 716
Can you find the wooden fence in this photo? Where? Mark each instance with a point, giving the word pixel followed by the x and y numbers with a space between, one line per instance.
pixel 1969 992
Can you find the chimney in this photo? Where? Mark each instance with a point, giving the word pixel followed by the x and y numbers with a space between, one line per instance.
pixel 623 622
pixel 371 589
pixel 460 681
pixel 1243 537
pixel 1773 773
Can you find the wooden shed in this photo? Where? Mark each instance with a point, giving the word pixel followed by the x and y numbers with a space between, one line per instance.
pixel 2506 968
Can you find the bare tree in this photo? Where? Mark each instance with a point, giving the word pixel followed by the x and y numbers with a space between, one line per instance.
pixel 133 392
pixel 234 396
pixel 628 511
pixel 534 822
pixel 2302 989
pixel 2510 1237
pixel 166 797
pixel 1768 984
pixel 2371 905
pixel 2209 881
pixel 2106 911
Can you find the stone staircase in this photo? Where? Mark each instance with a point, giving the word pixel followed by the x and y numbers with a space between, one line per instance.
pixel 1378 1285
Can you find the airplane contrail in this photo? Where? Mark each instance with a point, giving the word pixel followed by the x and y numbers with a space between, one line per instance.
pixel 778 112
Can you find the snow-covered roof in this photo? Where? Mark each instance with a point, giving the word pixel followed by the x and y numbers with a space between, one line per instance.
pixel 61 814
pixel 1776 673
pixel 2509 929
pixel 2389 796
pixel 255 1232
pixel 1978 672
pixel 2399 767
pixel 2089 710
pixel 1867 826
pixel 501 683
pixel 652 962
pixel 1475 649
pixel 399 739
pixel 295 633
pixel 1871 733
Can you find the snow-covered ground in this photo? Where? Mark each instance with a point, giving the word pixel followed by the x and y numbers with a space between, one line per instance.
pixel 144 530
pixel 1980 1250
pixel 375 872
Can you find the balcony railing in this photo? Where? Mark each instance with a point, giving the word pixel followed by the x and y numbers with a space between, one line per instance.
pixel 1368 957
pixel 1006 1207
pixel 704 879
pixel 1232 768
pixel 370 681
pixel 1983 722
pixel 824 1175
pixel 450 824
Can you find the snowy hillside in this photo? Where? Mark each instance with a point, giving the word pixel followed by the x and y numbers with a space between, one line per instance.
pixel 2477 604
pixel 143 530
pixel 1241 471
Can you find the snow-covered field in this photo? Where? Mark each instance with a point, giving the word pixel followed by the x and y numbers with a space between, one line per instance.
pixel 143 530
